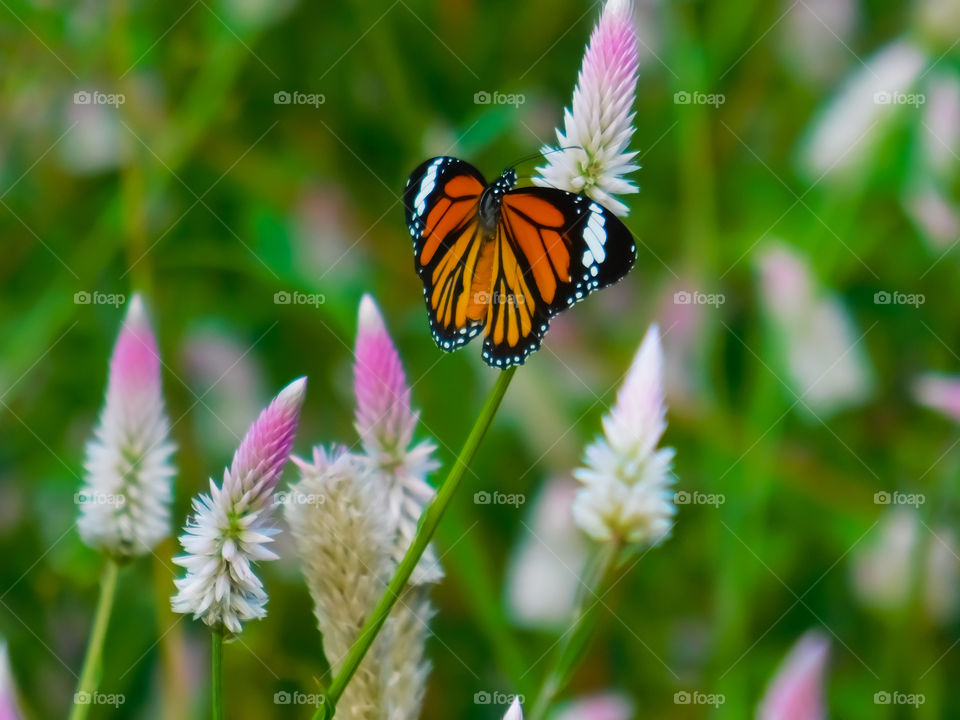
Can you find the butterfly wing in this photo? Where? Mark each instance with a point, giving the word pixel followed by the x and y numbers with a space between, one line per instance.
pixel 441 201
pixel 552 248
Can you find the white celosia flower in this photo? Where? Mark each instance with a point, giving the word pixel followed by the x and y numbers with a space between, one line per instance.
pixel 231 526
pixel 344 540
pixel 626 478
pixel 125 500
pixel 386 423
pixel 592 156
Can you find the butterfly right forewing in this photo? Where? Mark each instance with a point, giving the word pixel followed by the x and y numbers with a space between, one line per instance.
pixel 441 201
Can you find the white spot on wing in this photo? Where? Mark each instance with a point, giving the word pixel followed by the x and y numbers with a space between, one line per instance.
pixel 426 187
pixel 595 234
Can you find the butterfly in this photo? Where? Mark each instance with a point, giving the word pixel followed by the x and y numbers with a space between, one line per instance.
pixel 504 260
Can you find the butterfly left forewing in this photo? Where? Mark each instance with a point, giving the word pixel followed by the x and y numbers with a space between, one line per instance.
pixel 440 203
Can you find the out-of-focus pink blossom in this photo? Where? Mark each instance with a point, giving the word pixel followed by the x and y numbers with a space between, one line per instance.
pixel 592 155
pixel 796 691
pixel 626 478
pixel 125 500
pixel 514 712
pixel 607 706
pixel 939 392
pixel 9 709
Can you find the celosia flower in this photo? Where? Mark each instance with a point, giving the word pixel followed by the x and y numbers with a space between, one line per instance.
pixel 940 393
pixel 605 706
pixel 386 423
pixel 796 691
pixel 592 156
pixel 125 500
pixel 9 708
pixel 826 366
pixel 344 541
pixel 231 526
pixel 514 712
pixel 626 478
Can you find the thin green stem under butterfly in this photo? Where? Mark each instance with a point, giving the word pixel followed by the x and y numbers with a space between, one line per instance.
pixel 425 530
pixel 90 674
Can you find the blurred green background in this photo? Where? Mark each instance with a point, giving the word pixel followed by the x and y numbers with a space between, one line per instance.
pixel 781 190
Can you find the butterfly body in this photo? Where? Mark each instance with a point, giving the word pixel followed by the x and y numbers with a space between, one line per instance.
pixel 504 260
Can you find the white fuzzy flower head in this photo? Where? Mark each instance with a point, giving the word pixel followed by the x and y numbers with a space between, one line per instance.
pixel 592 156
pixel 125 500
pixel 231 526
pixel 626 479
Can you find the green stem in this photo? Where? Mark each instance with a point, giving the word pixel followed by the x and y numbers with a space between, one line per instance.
pixel 216 675
pixel 428 525
pixel 90 674
pixel 573 645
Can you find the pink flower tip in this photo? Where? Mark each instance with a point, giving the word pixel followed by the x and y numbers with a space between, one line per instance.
pixel 135 363
pixel 796 691
pixel 940 393
pixel 383 418
pixel 266 447
pixel 514 712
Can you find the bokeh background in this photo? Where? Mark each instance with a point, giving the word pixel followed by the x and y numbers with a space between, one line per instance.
pixel 799 161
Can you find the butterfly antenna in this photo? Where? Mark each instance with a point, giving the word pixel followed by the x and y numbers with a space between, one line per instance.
pixel 528 158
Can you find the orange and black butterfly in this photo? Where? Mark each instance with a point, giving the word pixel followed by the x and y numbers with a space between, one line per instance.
pixel 505 260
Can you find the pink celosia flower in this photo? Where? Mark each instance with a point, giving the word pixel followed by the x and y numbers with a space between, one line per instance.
pixel 386 425
pixel 125 501
pixel 592 154
pixel 626 478
pixel 231 526
pixel 607 706
pixel 796 691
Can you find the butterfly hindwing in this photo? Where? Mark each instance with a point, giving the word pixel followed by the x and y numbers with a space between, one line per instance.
pixel 441 201
pixel 552 249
